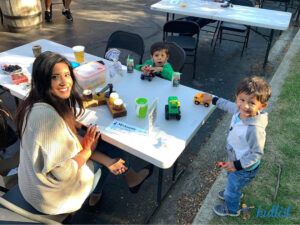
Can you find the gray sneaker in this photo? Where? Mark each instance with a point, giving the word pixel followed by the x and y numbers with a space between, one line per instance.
pixel 221 195
pixel 222 210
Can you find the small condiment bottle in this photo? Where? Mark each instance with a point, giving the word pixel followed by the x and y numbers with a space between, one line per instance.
pixel 176 79
pixel 130 65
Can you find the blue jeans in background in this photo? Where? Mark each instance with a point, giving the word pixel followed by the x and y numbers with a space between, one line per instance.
pixel 233 190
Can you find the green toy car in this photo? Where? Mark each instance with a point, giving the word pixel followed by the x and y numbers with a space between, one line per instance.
pixel 172 110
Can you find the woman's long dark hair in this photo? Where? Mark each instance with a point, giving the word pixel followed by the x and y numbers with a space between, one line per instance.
pixel 40 92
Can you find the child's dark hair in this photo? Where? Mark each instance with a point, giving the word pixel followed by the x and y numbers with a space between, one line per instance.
pixel 158 46
pixel 255 86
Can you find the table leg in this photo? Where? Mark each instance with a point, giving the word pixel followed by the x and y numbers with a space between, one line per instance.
pixel 159 185
pixel 17 101
pixel 159 198
pixel 269 47
pixel 298 12
pixel 174 171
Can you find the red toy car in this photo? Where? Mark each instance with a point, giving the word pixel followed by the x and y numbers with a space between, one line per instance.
pixel 147 73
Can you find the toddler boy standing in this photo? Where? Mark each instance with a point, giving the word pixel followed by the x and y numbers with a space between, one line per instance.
pixel 245 141
pixel 159 61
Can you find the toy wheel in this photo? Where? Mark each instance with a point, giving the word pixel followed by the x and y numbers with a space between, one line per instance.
pixel 150 79
pixel 197 103
pixel 178 117
pixel 206 104
pixel 142 77
pixel 167 115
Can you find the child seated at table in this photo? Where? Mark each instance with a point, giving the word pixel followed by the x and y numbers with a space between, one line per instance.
pixel 159 65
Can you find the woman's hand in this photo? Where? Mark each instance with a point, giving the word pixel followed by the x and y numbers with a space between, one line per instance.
pixel 117 166
pixel 90 138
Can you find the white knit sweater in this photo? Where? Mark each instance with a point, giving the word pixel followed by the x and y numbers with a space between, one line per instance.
pixel 49 178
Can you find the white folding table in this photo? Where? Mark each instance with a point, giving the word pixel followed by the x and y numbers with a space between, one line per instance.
pixel 164 144
pixel 256 17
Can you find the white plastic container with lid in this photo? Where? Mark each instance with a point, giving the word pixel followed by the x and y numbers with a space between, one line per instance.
pixel 90 75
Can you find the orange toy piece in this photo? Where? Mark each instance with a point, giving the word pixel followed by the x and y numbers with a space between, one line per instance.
pixel 147 73
pixel 198 99
pixel 222 164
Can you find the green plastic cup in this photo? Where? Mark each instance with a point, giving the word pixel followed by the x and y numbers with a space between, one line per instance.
pixel 141 107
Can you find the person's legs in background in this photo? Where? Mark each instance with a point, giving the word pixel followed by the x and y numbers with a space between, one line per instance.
pixel 48 14
pixel 66 10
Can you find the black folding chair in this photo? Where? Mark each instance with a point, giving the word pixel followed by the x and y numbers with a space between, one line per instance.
pixel 234 28
pixel 177 56
pixel 185 34
pixel 15 202
pixel 202 22
pixel 7 135
pixel 285 2
pixel 128 41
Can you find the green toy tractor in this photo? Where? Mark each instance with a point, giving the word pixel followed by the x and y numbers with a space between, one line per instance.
pixel 172 110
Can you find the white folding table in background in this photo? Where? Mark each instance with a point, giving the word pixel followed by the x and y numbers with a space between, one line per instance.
pixel 256 17
pixel 163 146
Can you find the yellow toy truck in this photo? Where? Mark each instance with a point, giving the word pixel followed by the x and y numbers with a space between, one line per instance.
pixel 198 99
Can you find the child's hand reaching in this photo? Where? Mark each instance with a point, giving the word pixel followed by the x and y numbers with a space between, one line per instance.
pixel 229 167
pixel 156 69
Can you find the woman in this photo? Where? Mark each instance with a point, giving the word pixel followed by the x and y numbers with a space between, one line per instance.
pixel 55 173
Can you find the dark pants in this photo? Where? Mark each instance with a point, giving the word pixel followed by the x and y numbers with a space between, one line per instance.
pixel 201 21
pixel 112 152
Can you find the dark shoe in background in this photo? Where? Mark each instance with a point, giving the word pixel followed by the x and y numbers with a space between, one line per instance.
pixel 136 188
pixel 48 16
pixel 67 13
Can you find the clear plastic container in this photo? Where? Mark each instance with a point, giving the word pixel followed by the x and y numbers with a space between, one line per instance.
pixel 90 75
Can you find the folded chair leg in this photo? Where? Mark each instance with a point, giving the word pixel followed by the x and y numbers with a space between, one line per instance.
pixel 218 36
pixel 218 24
pixel 194 66
pixel 248 35
pixel 245 44
pixel 243 49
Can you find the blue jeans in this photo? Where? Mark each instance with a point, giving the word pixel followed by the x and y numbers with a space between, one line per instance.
pixel 112 152
pixel 233 190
